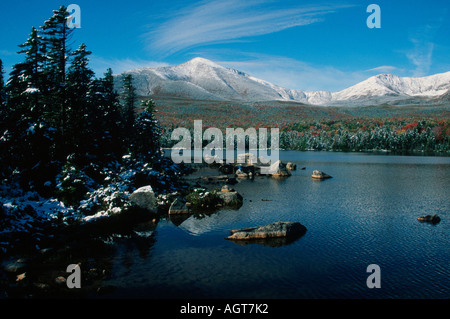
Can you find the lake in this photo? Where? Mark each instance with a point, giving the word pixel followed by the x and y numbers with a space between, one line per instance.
pixel 366 214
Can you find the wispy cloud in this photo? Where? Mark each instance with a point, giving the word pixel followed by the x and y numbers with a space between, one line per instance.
pixel 385 69
pixel 220 21
pixel 294 74
pixel 421 55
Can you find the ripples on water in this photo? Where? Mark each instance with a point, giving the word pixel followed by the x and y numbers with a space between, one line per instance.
pixel 366 214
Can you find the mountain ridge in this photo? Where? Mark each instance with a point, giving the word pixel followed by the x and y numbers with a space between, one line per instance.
pixel 202 79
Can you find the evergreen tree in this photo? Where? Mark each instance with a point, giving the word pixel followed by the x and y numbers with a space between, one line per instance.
pixel 2 88
pixel 109 108
pixel 105 119
pixel 148 133
pixel 27 133
pixel 128 109
pixel 79 120
pixel 56 36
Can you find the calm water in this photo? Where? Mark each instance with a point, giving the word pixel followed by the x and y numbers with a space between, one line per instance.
pixel 366 214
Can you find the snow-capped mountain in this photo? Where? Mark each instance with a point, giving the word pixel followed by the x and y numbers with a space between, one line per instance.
pixel 202 79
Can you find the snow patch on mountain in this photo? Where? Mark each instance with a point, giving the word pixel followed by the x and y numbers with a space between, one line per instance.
pixel 202 79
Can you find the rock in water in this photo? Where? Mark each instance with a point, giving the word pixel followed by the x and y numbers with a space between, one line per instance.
pixel 275 230
pixel 230 197
pixel 433 219
pixel 291 166
pixel 144 198
pixel 319 175
pixel 178 207
pixel 277 169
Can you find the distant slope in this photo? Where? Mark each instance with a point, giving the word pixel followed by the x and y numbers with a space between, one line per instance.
pixel 202 79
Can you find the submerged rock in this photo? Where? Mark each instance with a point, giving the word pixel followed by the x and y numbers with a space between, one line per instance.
pixel 432 219
pixel 178 207
pixel 319 175
pixel 144 198
pixel 278 229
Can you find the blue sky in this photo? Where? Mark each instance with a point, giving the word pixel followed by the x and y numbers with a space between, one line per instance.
pixel 306 45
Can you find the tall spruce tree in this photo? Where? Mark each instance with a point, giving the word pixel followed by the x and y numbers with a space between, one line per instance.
pixel 128 109
pixel 3 112
pixel 2 87
pixel 3 121
pixel 56 36
pixel 79 120
pixel 148 133
pixel 107 116
pixel 29 136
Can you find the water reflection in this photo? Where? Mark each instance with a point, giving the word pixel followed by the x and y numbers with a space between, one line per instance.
pixel 367 213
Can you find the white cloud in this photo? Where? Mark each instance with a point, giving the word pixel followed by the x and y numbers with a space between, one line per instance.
pixel 293 74
pixel 220 21
pixel 384 69
pixel 421 57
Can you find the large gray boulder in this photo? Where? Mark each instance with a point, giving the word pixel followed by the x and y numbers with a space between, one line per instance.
pixel 144 198
pixel 278 229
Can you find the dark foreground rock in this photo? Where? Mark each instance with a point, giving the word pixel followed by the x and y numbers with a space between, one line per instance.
pixel 278 229
pixel 432 219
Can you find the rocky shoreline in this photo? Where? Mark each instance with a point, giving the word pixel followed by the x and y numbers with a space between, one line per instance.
pixel 40 271
pixel 32 272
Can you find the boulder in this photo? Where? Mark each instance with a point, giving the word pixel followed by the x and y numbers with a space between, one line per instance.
pixel 282 172
pixel 230 197
pixel 178 206
pixel 278 229
pixel 227 189
pixel 144 198
pixel 291 166
pixel 432 219
pixel 320 175
pixel 277 169
pixel 241 174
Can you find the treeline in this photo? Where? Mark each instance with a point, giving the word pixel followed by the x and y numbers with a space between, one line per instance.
pixel 56 116
pixel 356 134
pixel 368 135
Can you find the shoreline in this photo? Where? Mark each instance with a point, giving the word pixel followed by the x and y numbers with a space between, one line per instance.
pixel 83 244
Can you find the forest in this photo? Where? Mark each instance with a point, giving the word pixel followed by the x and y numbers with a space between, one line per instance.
pixel 71 145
